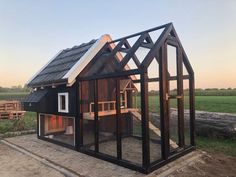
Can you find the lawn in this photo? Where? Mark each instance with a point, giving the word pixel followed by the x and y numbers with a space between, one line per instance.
pixel 225 104
pixel 28 123
pixel 213 145
pixel 12 95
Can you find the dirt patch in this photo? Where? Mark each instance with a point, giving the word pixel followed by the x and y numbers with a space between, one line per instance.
pixel 16 164
pixel 210 165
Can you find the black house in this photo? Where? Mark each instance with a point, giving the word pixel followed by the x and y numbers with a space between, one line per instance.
pixel 119 100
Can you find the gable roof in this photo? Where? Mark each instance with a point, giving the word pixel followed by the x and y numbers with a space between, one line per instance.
pixel 59 71
pixel 67 64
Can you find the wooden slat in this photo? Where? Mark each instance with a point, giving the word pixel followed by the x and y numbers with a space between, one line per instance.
pixel 10 110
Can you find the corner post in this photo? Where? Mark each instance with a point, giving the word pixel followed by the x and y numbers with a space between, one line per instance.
pixel 145 119
pixel 118 120
pixel 79 117
pixel 192 109
pixel 96 124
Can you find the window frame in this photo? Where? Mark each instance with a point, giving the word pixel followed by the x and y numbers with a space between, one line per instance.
pixel 66 95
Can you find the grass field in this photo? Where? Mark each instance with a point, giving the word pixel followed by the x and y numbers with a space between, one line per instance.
pixel 225 104
pixel 12 95
pixel 213 145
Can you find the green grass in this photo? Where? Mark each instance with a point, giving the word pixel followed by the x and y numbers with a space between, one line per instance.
pixel 213 145
pixel 12 95
pixel 29 122
pixel 226 104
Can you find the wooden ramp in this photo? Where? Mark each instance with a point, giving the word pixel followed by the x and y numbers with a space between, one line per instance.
pixel 153 128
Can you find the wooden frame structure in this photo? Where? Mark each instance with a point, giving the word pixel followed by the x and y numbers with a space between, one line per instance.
pixel 158 50
pixel 111 56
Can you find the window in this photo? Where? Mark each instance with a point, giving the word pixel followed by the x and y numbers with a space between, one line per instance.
pixel 63 101
pixel 58 128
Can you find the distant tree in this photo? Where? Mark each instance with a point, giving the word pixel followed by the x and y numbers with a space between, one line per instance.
pixel 211 89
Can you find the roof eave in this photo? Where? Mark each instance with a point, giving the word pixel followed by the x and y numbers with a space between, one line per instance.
pixel 48 84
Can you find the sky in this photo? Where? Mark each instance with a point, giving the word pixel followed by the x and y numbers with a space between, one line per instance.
pixel 32 32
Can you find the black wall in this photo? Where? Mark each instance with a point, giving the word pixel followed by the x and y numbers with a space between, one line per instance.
pixel 49 103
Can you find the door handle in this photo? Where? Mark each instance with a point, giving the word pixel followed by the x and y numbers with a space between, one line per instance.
pixel 173 96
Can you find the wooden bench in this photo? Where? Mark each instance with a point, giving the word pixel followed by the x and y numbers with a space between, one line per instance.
pixel 11 110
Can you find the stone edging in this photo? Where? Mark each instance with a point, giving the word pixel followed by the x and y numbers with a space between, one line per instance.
pixel 57 167
pixel 17 133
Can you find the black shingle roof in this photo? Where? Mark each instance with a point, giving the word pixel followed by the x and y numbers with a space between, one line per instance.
pixel 59 66
pixel 35 97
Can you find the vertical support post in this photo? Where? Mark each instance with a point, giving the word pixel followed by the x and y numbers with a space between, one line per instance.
pixel 118 121
pixel 79 116
pixel 145 119
pixel 192 109
pixel 180 93
pixel 42 126
pixel 38 127
pixel 96 123
pixel 164 108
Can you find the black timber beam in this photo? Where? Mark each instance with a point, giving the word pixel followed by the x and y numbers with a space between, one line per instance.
pixel 145 121
pixel 140 33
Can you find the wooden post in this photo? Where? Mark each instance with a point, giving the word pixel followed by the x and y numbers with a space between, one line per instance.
pixel 79 118
pixel 192 109
pixel 164 109
pixel 145 119
pixel 181 98
pixel 96 124
pixel 118 121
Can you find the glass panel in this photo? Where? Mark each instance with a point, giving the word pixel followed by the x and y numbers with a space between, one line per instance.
pixel 132 40
pixel 154 121
pixel 154 113
pixel 130 65
pixel 107 116
pixel 87 109
pixel 173 116
pixel 153 69
pixel 171 60
pixel 141 53
pixel 186 113
pixel 155 34
pixel 63 102
pixel 58 128
pixel 131 121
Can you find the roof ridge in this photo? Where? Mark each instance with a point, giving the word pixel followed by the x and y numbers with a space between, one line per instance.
pixel 79 46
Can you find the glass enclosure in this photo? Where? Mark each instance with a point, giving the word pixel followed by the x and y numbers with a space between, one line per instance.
pixel 57 128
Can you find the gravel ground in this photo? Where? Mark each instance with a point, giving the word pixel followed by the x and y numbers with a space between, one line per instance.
pixel 16 164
